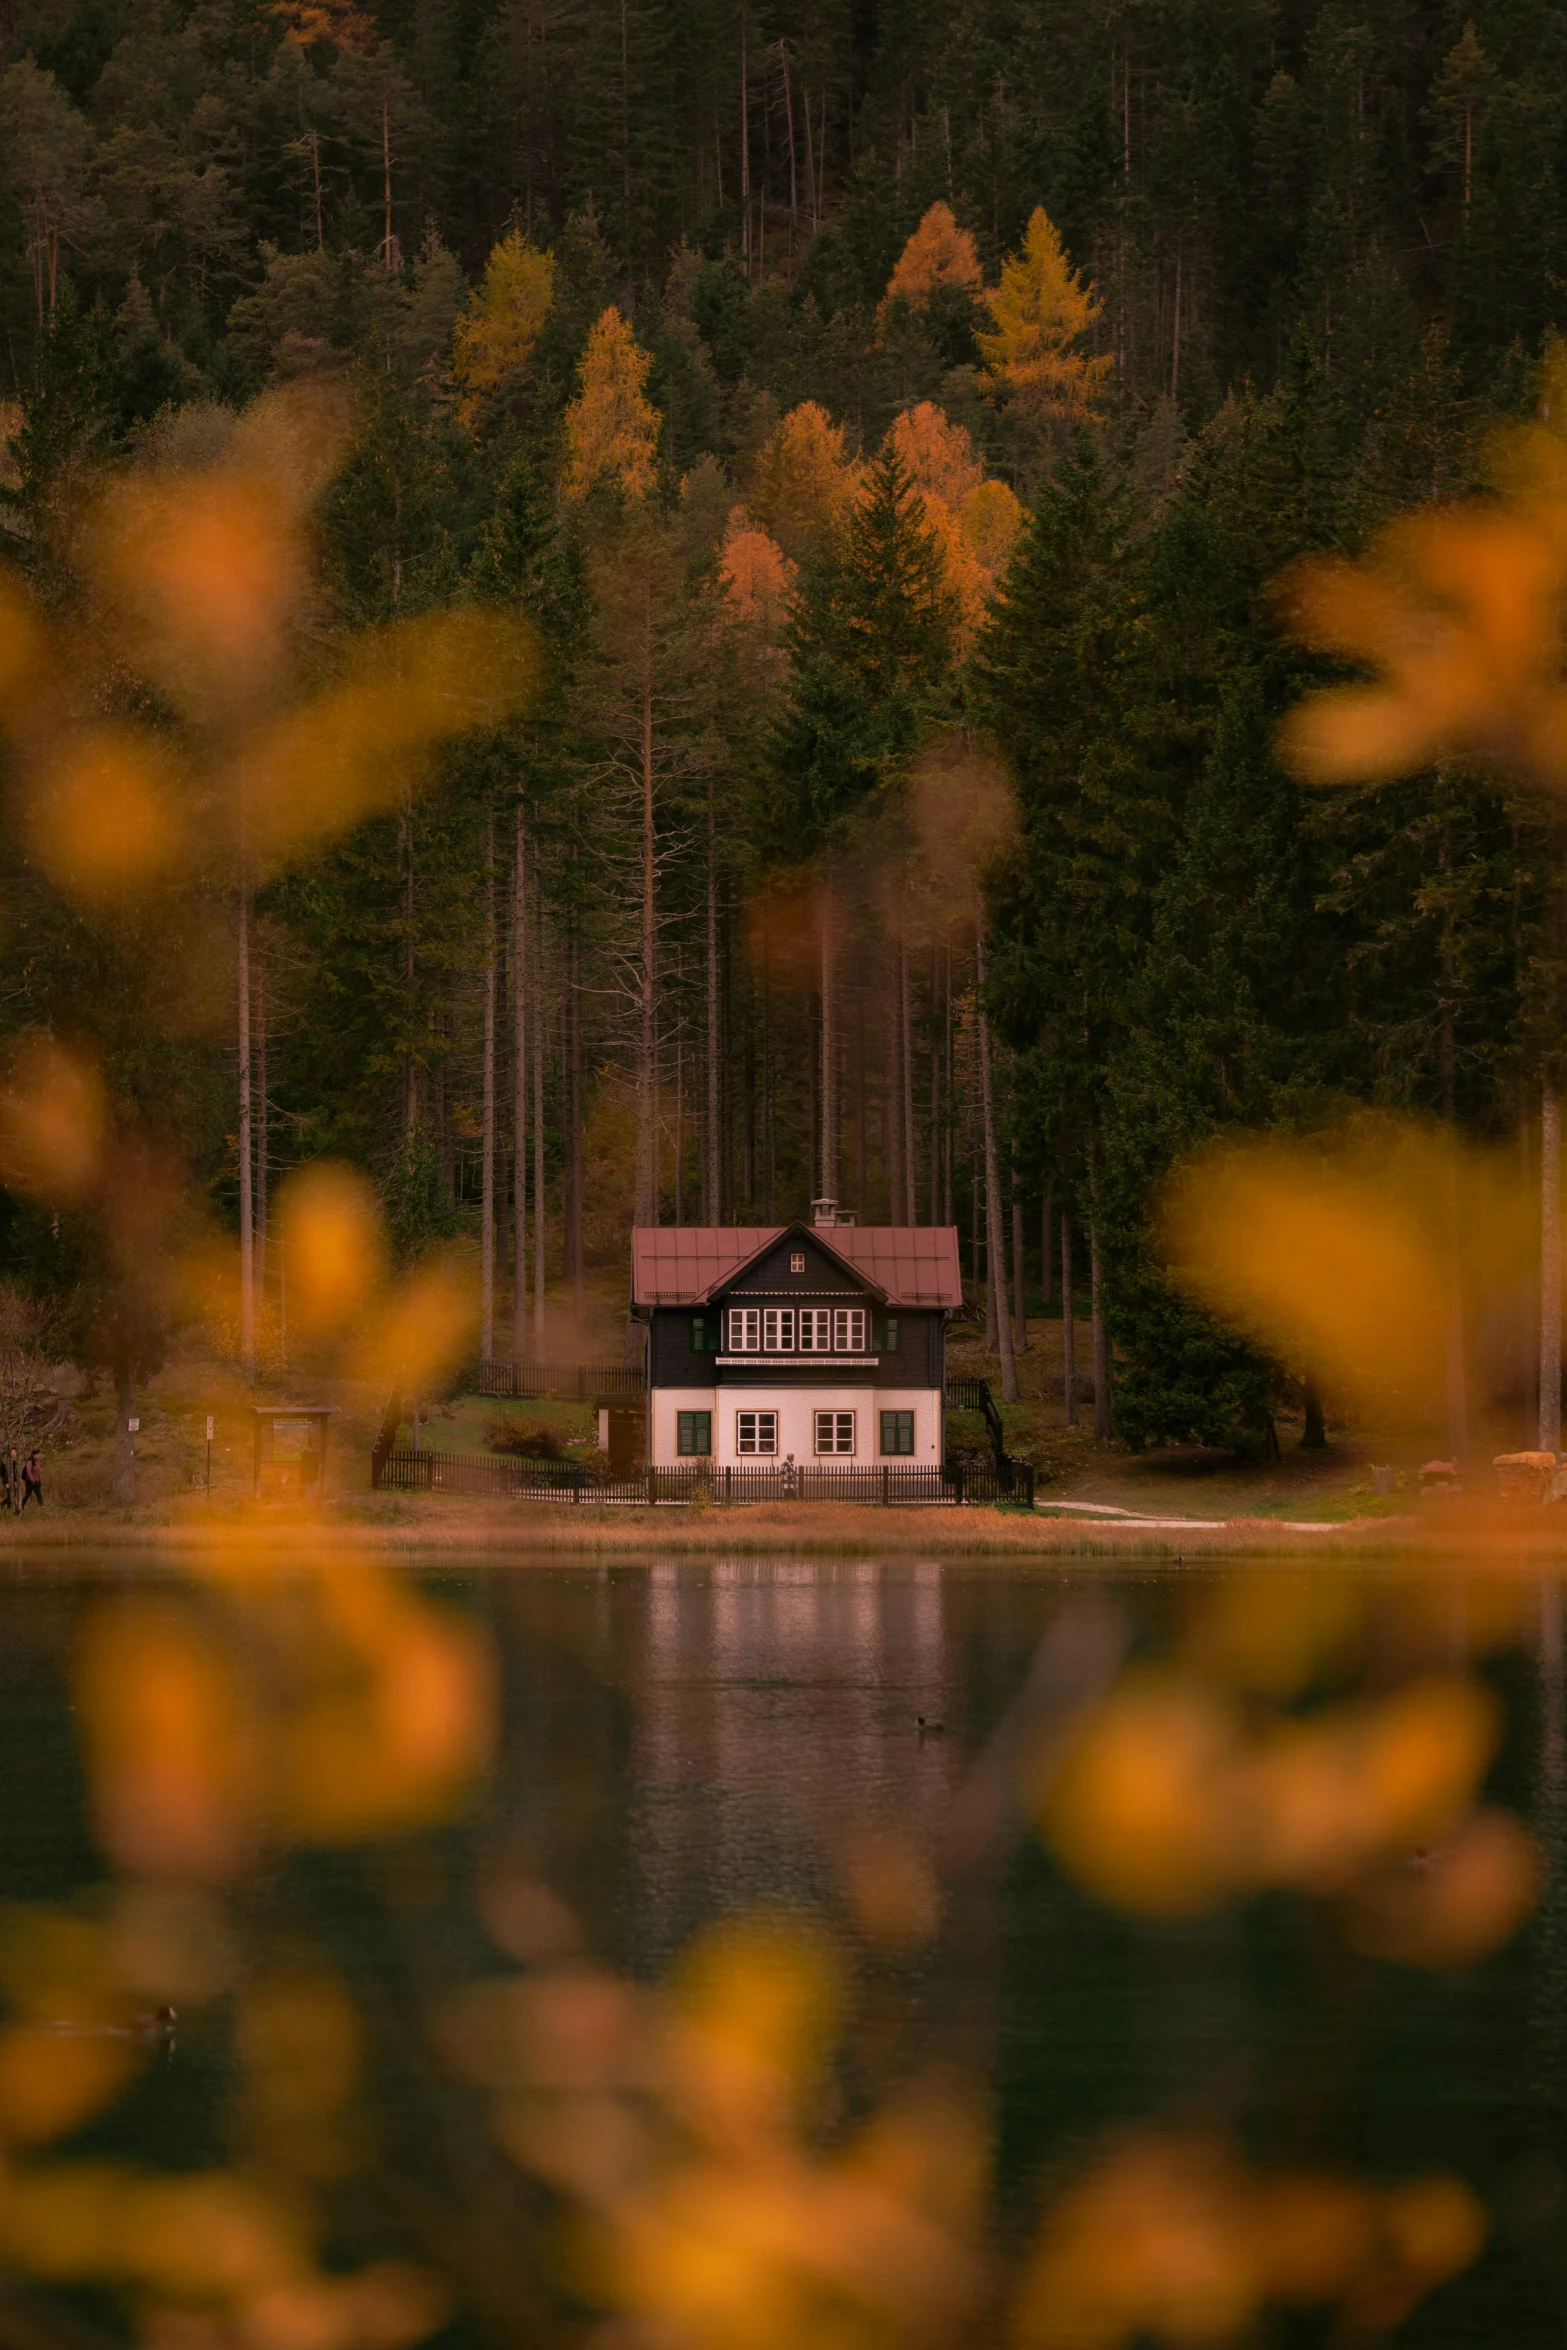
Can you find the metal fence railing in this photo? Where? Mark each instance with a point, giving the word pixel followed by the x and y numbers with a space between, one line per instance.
pixel 563 1382
pixel 406 1471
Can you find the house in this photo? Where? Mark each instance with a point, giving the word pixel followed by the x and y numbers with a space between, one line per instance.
pixel 816 1343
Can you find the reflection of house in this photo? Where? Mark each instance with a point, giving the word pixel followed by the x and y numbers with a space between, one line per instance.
pixel 812 1342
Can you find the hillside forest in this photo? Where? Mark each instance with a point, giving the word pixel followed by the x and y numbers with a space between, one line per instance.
pixel 874 432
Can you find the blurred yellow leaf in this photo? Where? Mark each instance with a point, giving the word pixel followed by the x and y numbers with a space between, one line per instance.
pixel 331 1230
pixel 755 2007
pixel 1146 1806
pixel 1454 1904
pixel 172 1747
pixel 352 750
pixel 104 823
pixel 51 2082
pixel 419 1333
pixel 53 1123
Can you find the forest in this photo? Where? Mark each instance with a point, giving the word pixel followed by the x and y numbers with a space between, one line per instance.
pixel 883 430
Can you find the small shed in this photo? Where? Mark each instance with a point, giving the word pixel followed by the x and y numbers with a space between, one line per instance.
pixel 291 1443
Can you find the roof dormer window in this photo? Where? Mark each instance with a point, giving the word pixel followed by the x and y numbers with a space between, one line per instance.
pixel 797 1260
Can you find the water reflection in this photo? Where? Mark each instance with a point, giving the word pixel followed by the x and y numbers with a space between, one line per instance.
pixel 682 1745
pixel 775 1713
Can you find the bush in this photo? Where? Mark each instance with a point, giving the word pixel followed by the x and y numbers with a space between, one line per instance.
pixel 545 1442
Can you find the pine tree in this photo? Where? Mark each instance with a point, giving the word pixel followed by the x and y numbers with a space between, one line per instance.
pixel 872 645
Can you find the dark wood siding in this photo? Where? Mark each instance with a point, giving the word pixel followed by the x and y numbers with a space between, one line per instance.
pixel 917 1360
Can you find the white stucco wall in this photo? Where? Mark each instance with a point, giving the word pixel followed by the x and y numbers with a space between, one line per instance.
pixel 796 1425
pixel 667 1402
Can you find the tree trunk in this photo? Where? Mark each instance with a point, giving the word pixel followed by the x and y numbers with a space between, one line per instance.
pixel 262 1143
pixel 680 1125
pixel 1457 1384
pixel 487 1177
pixel 1101 1342
pixel 1068 1304
pixel 519 1103
pixel 1047 1262
pixel 828 1110
pixel 574 1117
pixel 247 1288
pixel 861 1109
pixel 896 1154
pixel 949 1202
pixel 538 1110
pixel 1314 1436
pixel 1019 1287
pixel 1550 1270
pixel 933 1187
pixel 647 1037
pixel 995 1241
pixel 710 1190
pixel 908 1212
pixel 124 1440
pixel 769 1144
pixel 410 1073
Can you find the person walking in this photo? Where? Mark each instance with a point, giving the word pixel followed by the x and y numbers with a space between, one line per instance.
pixel 32 1480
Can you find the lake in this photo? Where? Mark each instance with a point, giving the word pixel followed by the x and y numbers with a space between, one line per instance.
pixel 679 1746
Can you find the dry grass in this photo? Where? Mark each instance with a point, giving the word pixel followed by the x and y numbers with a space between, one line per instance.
pixel 535 1529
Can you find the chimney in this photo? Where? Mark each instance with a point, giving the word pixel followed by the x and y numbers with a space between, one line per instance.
pixel 826 1212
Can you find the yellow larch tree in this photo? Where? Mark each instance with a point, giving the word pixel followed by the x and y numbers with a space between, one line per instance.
pixel 1039 310
pixel 806 480
pixel 611 426
pixel 937 455
pixel 497 332
pixel 939 256
pixel 976 521
pixel 757 577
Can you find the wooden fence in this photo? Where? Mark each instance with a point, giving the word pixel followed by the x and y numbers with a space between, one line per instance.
pixel 562 1382
pixel 407 1471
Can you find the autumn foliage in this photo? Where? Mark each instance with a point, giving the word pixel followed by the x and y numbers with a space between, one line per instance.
pixel 1038 312
pixel 611 427
pixel 939 257
pixel 976 521
pixel 1459 610
pixel 805 480
pixel 758 578
pixel 494 338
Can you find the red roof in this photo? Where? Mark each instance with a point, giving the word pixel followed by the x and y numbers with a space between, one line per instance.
pixel 683 1264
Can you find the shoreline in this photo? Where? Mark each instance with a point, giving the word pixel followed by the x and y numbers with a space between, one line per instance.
pixel 817 1529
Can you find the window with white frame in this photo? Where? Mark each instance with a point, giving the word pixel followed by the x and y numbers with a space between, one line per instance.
pixel 756 1432
pixel 815 1330
pixel 797 1261
pixel 777 1330
pixel 745 1330
pixel 835 1434
pixel 848 1330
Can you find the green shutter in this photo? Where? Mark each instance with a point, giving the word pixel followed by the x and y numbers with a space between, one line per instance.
pixel 694 1433
pixel 704 1334
pixel 897 1433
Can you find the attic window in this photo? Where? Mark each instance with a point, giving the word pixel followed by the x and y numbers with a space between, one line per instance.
pixel 797 1261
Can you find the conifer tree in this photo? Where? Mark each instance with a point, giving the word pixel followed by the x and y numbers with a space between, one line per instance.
pixel 496 335
pixel 872 646
pixel 611 431
pixel 1038 312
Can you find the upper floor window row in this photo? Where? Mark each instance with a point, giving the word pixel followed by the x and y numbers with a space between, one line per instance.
pixel 807 1330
